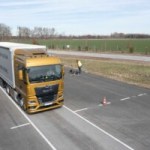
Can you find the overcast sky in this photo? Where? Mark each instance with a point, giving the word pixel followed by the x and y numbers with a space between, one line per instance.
pixel 78 16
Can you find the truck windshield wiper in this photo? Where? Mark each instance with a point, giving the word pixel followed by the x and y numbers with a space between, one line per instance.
pixel 36 79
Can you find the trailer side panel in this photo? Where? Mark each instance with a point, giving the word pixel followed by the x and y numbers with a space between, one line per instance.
pixel 6 66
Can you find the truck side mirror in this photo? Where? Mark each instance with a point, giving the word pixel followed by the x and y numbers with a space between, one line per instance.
pixel 20 74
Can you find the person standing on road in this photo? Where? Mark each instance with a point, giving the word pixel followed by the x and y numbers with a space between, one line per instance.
pixel 79 64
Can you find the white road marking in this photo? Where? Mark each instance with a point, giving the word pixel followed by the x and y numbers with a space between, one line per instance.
pixel 119 141
pixel 80 109
pixel 123 99
pixel 142 94
pixel 29 120
pixel 22 125
pixel 107 103
pixel 91 107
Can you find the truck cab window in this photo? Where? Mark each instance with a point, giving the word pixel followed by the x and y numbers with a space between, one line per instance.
pixel 45 73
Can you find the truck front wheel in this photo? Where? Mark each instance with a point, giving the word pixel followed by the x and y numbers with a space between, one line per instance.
pixel 21 103
pixel 20 100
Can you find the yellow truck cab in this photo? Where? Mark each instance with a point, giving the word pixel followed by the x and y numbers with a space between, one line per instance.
pixel 32 77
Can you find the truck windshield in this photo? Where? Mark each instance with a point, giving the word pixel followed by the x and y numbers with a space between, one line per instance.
pixel 44 73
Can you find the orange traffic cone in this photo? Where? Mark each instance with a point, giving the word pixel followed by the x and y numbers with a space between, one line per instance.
pixel 104 101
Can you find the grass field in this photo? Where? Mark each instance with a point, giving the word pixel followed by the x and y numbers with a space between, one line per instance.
pixel 126 71
pixel 137 46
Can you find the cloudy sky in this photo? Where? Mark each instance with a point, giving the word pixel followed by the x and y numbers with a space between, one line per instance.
pixel 78 16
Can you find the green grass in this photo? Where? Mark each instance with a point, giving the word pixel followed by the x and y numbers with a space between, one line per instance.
pixel 138 46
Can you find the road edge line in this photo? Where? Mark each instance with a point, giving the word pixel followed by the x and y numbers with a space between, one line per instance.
pixel 100 129
pixel 34 126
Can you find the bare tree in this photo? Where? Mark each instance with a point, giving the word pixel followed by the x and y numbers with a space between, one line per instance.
pixel 5 31
pixel 23 32
pixel 51 32
pixel 39 32
pixel 46 32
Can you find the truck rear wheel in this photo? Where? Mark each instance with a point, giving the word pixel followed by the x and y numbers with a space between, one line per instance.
pixel 8 89
pixel 2 84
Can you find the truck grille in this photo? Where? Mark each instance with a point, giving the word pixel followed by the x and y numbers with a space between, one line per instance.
pixel 46 95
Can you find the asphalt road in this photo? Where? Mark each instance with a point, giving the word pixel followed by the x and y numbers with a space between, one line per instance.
pixel 101 55
pixel 16 132
pixel 83 123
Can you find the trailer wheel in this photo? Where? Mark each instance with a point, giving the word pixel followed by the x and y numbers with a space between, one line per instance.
pixel 1 82
pixel 8 89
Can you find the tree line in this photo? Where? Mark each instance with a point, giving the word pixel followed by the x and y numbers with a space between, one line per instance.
pixel 45 33
pixel 25 32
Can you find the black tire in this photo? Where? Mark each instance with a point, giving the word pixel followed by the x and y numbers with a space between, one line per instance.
pixel 1 82
pixel 20 100
pixel 8 88
pixel 21 103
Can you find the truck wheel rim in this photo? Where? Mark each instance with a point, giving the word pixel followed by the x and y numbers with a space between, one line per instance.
pixel 21 102
pixel 7 90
